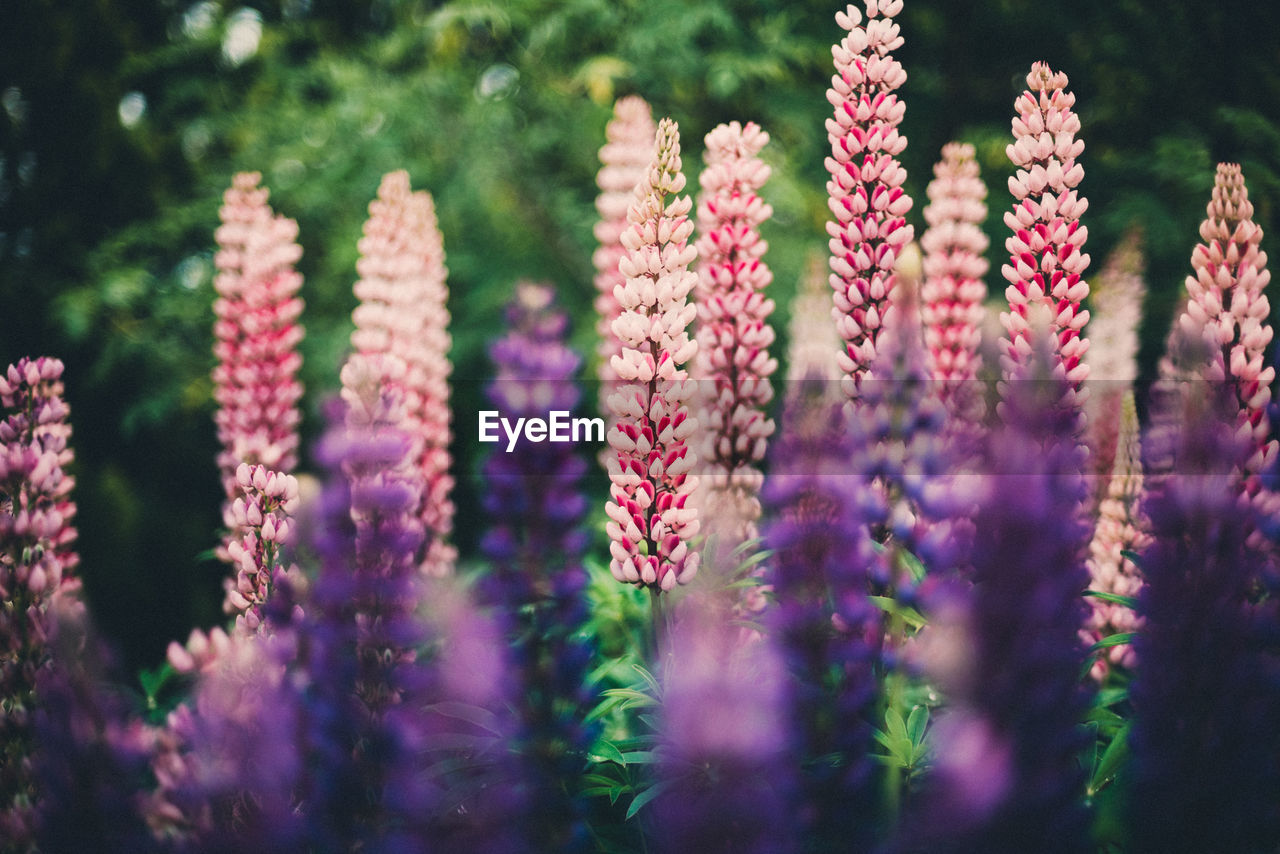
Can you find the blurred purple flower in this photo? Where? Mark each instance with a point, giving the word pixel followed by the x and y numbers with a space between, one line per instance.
pixel 1206 750
pixel 1010 657
pixel 536 579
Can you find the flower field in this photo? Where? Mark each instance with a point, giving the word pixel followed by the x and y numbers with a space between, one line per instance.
pixel 924 548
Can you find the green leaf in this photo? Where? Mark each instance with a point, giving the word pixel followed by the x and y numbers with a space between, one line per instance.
pixel 605 751
pixel 896 725
pixel 911 616
pixel 1114 598
pixel 1110 763
pixel 1118 639
pixel 647 795
pixel 916 723
pixel 1132 556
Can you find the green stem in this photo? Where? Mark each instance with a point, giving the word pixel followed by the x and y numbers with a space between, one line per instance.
pixel 657 624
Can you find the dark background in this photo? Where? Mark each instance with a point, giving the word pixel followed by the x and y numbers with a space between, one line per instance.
pixel 107 215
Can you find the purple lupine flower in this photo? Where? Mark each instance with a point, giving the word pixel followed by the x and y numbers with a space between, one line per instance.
pixel 1206 751
pixel 91 763
pixel 901 444
pixel 723 743
pixel 36 558
pixel 826 628
pixel 1008 650
pixel 536 580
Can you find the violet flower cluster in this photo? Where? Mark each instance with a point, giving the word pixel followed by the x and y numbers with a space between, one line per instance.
pixel 536 580
pixel 36 559
pixel 1006 651
pixel 826 628
pixel 1206 752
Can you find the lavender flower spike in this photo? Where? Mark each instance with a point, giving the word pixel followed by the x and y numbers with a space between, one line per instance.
pixel 1006 772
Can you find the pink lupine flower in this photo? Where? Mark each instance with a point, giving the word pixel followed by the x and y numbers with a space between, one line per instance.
pixel 403 314
pixel 1119 530
pixel 866 194
pixel 256 334
pixel 1118 293
pixel 1227 306
pixel 36 558
pixel 1045 258
pixel 954 266
pixel 651 520
pixel 733 363
pixel 812 346
pixel 261 522
pixel 624 162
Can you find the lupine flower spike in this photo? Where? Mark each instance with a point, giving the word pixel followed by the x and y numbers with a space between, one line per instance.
pixel 954 289
pixel 1120 529
pixel 36 559
pixel 256 334
pixel 1113 347
pixel 262 516
pixel 535 544
pixel 865 191
pixel 624 162
pixel 650 518
pixel 1046 260
pixel 403 314
pixel 1227 306
pixel 1205 768
pixel 733 364
pixel 1006 776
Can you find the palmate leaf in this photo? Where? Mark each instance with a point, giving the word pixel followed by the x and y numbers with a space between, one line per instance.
pixel 645 796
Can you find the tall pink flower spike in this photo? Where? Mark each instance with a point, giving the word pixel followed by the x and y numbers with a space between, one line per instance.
pixel 624 162
pixel 865 191
pixel 1228 308
pixel 733 364
pixel 257 334
pixel 651 519
pixel 954 290
pixel 1118 293
pixel 403 314
pixel 1119 529
pixel 1045 258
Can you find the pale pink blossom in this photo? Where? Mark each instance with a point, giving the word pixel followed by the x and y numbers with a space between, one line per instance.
pixel 733 364
pixel 1046 261
pixel 812 346
pixel 624 162
pixel 1117 297
pixel 865 191
pixel 1228 309
pixel 256 333
pixel 402 314
pixel 1119 529
pixel 954 290
pixel 651 519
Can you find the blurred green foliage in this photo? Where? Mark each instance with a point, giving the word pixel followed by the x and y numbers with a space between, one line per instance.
pixel 122 122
